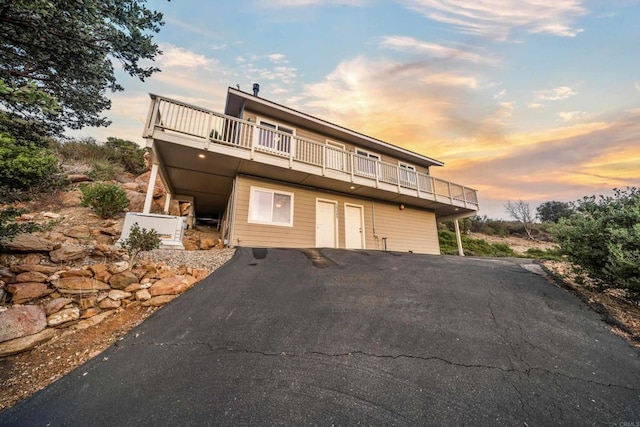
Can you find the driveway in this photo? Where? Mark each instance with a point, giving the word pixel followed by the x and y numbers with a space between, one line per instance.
pixel 338 337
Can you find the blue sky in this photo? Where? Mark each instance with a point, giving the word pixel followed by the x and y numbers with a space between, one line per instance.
pixel 522 99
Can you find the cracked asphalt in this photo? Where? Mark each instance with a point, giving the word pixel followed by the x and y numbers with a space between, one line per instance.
pixel 336 337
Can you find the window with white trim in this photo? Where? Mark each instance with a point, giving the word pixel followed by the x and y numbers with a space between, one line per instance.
pixel 366 163
pixel 270 207
pixel 408 176
pixel 275 137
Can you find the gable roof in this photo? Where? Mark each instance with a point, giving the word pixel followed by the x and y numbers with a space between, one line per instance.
pixel 238 101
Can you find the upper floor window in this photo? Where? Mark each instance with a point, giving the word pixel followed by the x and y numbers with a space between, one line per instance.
pixel 274 136
pixel 407 173
pixel 270 207
pixel 366 163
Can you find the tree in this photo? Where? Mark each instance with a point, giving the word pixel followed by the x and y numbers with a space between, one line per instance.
pixel 56 57
pixel 553 210
pixel 603 237
pixel 521 212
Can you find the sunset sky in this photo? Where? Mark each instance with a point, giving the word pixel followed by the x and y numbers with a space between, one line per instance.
pixel 521 99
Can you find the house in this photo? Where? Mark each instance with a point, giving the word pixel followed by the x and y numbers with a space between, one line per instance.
pixel 277 177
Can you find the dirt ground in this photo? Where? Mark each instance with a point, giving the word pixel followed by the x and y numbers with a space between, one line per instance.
pixel 24 374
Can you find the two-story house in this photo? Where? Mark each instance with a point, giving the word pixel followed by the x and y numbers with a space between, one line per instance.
pixel 278 177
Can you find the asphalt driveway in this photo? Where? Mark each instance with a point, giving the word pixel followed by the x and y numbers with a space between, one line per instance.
pixel 337 337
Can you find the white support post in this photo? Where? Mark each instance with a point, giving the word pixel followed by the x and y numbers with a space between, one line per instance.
pixel 150 188
pixel 167 203
pixel 458 238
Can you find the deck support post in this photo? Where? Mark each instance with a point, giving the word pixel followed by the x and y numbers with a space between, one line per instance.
pixel 458 238
pixel 167 203
pixel 150 188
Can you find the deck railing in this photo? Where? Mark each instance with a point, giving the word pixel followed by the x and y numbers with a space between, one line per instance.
pixel 176 116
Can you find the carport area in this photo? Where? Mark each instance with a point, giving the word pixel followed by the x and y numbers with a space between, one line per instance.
pixel 337 337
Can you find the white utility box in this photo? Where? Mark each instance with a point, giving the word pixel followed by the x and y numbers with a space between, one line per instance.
pixel 170 228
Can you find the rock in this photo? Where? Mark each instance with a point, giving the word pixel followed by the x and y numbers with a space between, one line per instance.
pixel 78 232
pixel 184 208
pixel 98 268
pixel 26 217
pixel 143 295
pixel 136 201
pixel 122 280
pixel 55 305
pixel 207 243
pixel 88 302
pixel 118 267
pixel 133 287
pixel 109 304
pixel 94 320
pixel 31 259
pixel 63 316
pixel 51 215
pixel 30 243
pixel 78 177
pixel 90 312
pixel 68 253
pixel 70 198
pixel 7 276
pixel 78 272
pixel 116 294
pixel 143 180
pixel 17 322
pixel 103 239
pixel 31 276
pixel 84 284
pixel 189 245
pixel 172 285
pixel 19 345
pixel 103 276
pixel 45 269
pixel 159 300
pixel 109 231
pixel 132 186
pixel 23 292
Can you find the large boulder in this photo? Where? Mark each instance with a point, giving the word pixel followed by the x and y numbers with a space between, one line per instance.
pixel 45 269
pixel 23 292
pixel 31 276
pixel 18 345
pixel 78 232
pixel 17 322
pixel 172 285
pixel 68 253
pixel 122 280
pixel 79 285
pixel 30 243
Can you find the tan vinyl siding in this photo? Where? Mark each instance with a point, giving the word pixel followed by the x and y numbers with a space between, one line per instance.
pixel 301 235
pixel 410 229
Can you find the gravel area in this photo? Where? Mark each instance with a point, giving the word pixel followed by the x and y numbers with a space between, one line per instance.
pixel 209 260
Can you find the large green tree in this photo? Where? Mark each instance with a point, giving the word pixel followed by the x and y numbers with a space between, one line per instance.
pixel 57 57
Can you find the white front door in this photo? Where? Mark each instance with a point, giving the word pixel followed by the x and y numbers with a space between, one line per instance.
pixel 326 228
pixel 353 226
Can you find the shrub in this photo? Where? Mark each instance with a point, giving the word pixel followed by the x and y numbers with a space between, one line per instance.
pixel 105 170
pixel 140 240
pixel 126 155
pixel 25 167
pixel 10 229
pixel 603 237
pixel 471 247
pixel 105 199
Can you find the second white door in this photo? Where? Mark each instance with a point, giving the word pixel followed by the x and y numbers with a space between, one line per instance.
pixel 353 226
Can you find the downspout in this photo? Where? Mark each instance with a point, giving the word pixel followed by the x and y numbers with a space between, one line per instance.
pixel 373 218
pixel 232 212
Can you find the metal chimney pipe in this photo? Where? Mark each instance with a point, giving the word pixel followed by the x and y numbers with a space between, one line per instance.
pixel 256 89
